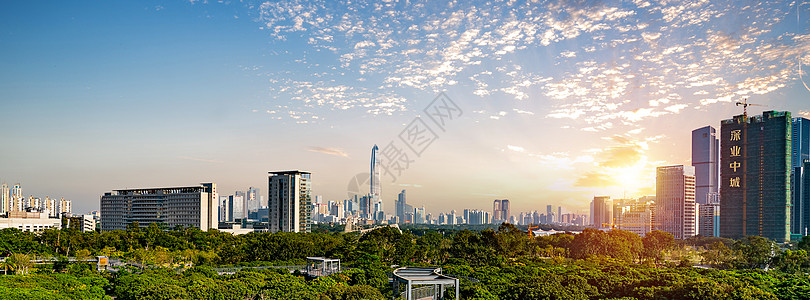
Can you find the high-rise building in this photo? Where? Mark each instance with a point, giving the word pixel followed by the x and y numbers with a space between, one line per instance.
pixel 5 198
pixel 236 207
pixel 636 215
pixel 188 206
pixel 289 201
pixel 800 211
pixel 17 198
pixel 800 141
pixel 419 215
pixel 800 196
pixel 705 159
pixel 709 216
pixel 705 156
pixel 500 211
pixel 252 200
pixel 601 212
pixel 400 206
pixel 375 186
pixel 65 206
pixel 755 174
pixel 675 210
pixel 549 215
pixel 225 209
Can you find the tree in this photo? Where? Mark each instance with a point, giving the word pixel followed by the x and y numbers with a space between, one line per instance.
pixel 718 255
pixel 82 255
pixel 655 243
pixel 19 263
pixel 754 252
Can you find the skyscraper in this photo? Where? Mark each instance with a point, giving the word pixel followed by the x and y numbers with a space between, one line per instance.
pixel 289 201
pixel 800 196
pixel 675 201
pixel 252 199
pixel 755 158
pixel 400 206
pixel 601 212
pixel 188 206
pixel 705 156
pixel 801 199
pixel 5 198
pixel 236 207
pixel 500 211
pixel 800 141
pixel 376 198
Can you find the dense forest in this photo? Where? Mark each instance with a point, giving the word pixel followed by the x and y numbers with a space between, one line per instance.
pixel 501 263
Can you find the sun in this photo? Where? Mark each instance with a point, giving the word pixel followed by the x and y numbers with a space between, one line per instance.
pixel 634 178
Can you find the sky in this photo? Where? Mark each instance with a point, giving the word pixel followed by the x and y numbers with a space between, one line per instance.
pixel 544 102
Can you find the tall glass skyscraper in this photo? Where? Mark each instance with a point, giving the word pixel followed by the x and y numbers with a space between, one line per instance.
pixel 755 171
pixel 800 210
pixel 705 156
pixel 500 211
pixel 375 192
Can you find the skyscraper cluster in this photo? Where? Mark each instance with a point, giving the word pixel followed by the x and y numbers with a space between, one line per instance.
pixel 750 179
pixel 13 200
pixel 242 206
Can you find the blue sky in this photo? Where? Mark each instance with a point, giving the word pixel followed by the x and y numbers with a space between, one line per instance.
pixel 561 100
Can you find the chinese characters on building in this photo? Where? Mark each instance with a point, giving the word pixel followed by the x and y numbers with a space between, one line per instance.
pixel 735 166
pixel 412 141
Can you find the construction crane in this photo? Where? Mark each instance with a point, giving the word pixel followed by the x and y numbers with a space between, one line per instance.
pixel 530 230
pixel 745 106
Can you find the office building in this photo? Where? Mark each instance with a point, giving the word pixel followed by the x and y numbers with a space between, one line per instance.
pixel 800 211
pixel 636 215
pixel 800 195
pixel 236 207
pixel 800 141
pixel 252 198
pixel 675 210
pixel 500 211
pixel 399 206
pixel 375 190
pixel 601 212
pixel 705 157
pixel 224 209
pixel 709 216
pixel 755 157
pixel 188 206
pixel 289 201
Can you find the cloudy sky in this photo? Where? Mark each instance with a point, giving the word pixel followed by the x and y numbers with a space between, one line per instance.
pixel 550 102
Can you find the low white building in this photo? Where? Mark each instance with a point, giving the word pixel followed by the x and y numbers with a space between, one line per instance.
pixel 29 221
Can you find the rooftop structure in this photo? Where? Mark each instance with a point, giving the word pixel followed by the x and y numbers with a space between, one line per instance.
pixel 431 283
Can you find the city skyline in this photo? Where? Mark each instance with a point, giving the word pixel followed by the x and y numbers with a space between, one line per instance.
pixel 558 107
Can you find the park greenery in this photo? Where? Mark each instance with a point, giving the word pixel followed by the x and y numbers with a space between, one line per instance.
pixel 500 263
